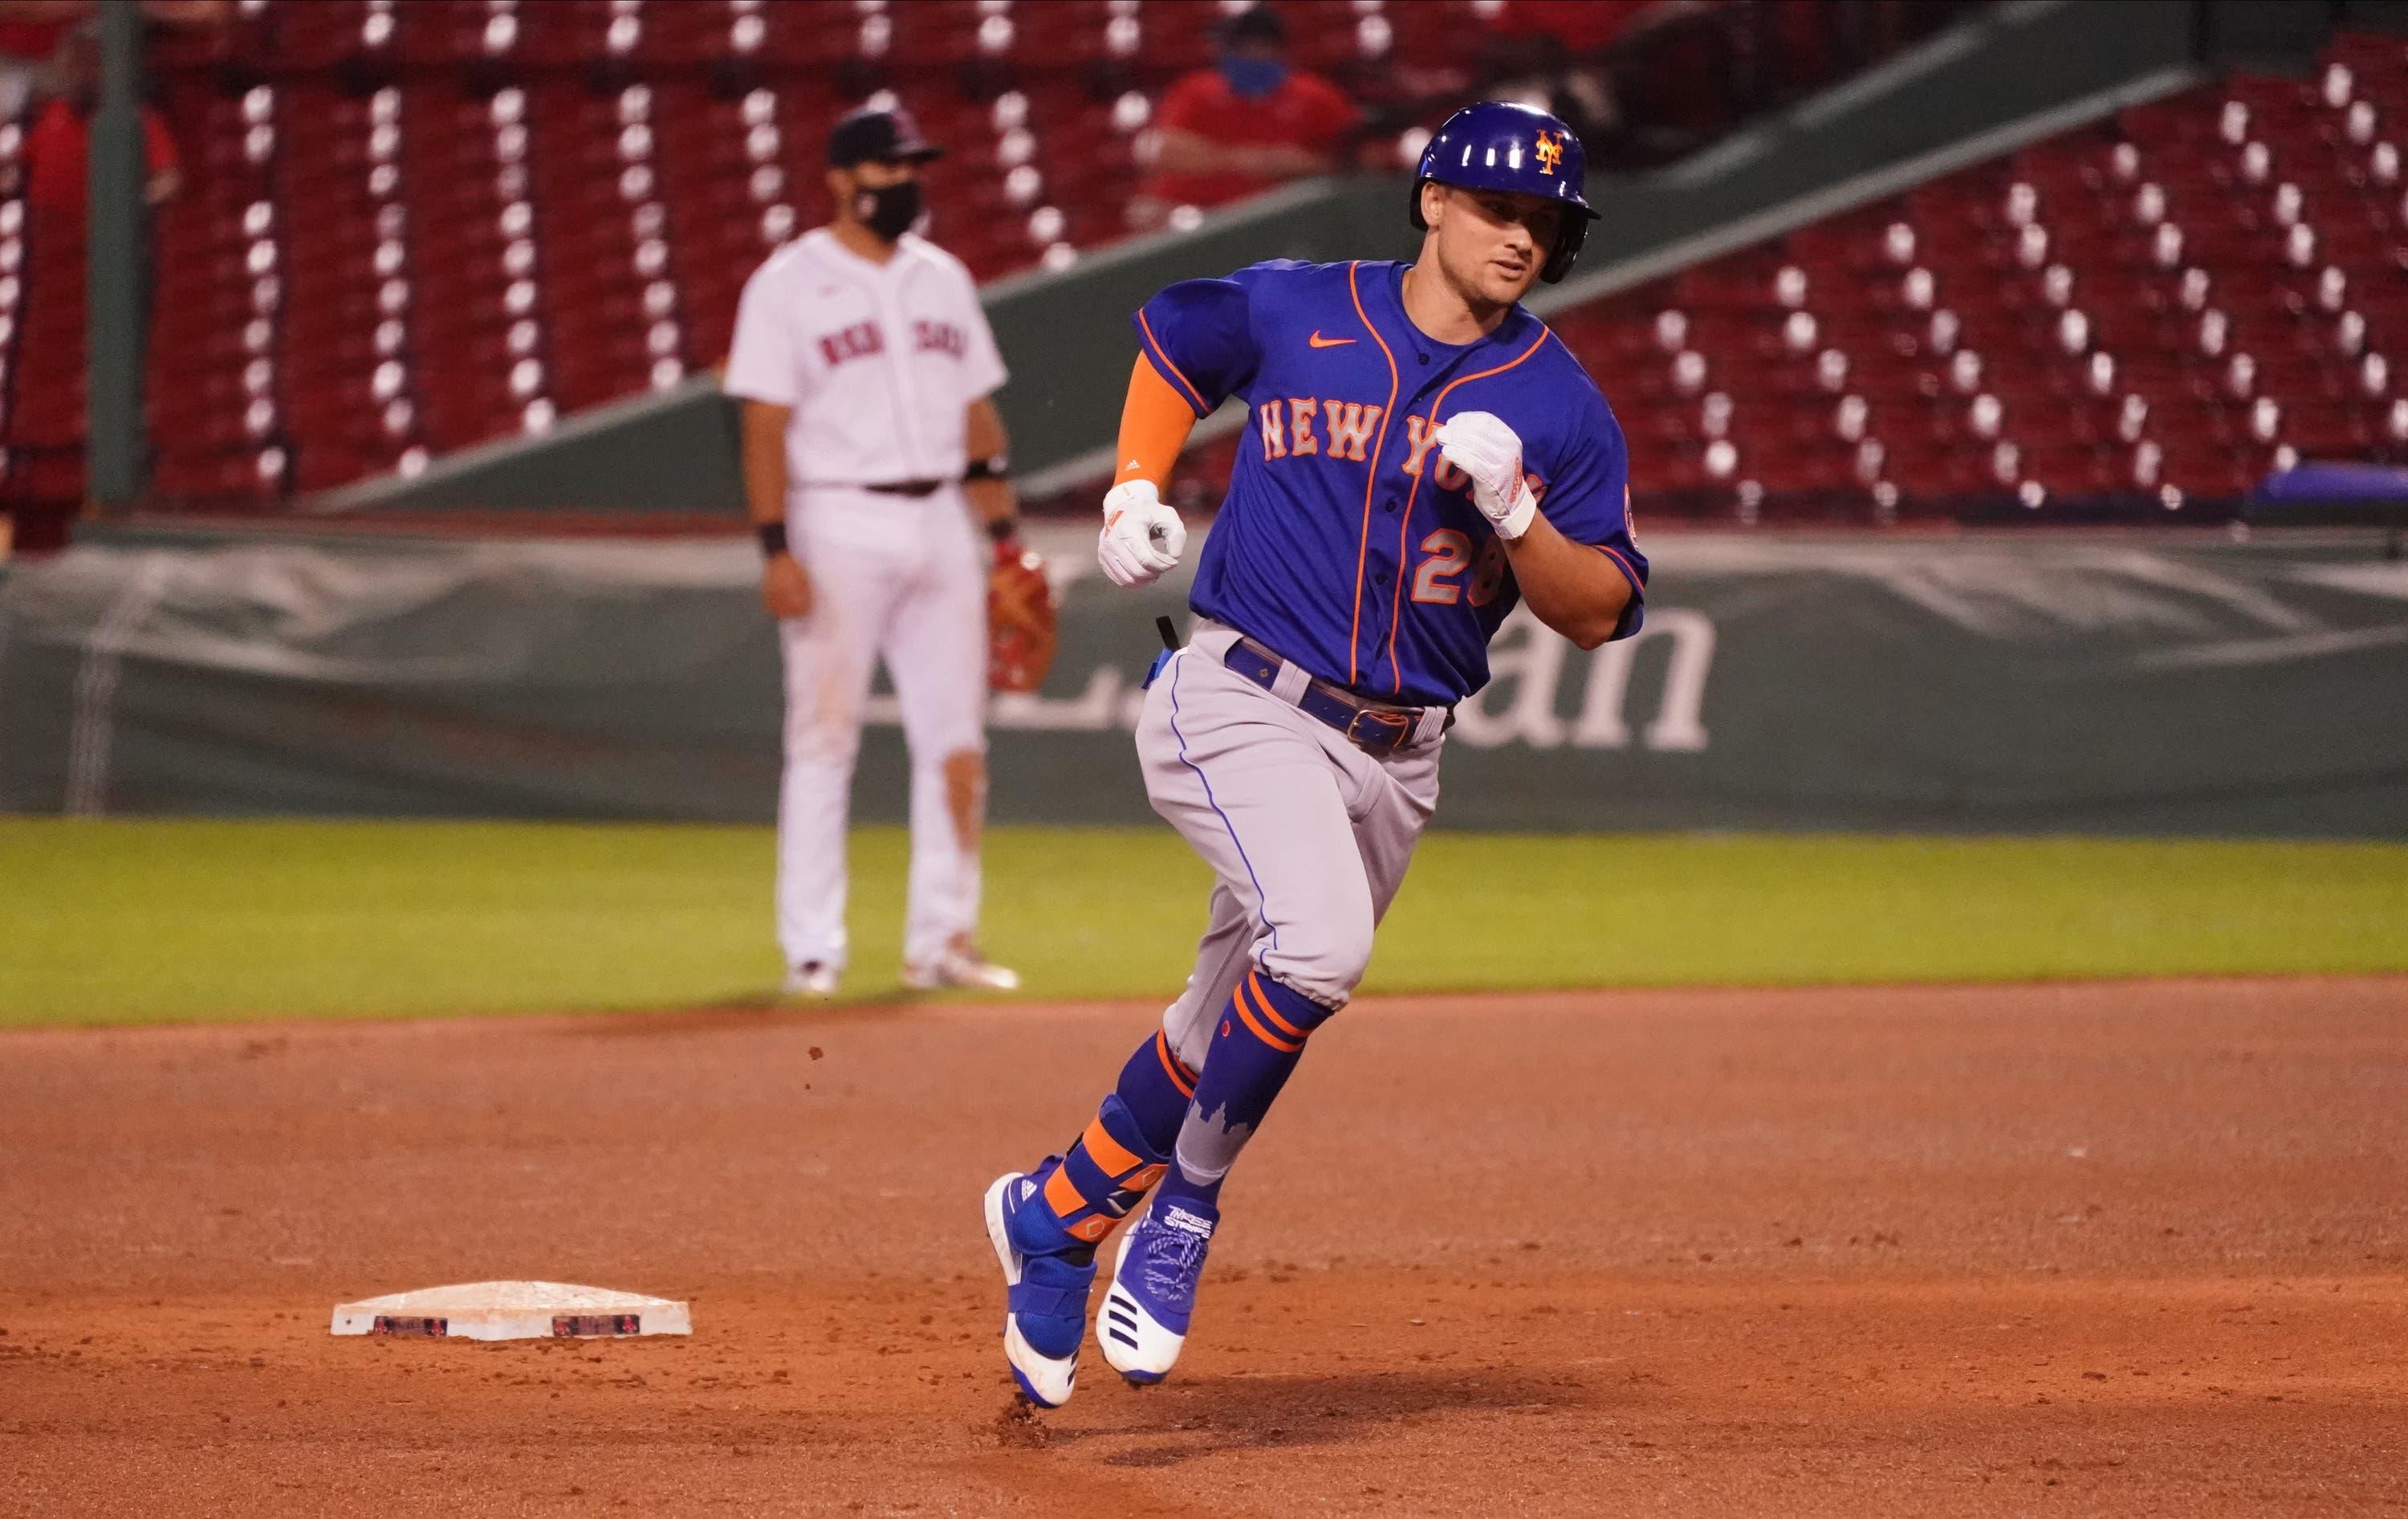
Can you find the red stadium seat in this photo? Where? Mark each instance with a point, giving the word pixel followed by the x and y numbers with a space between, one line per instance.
pixel 339 265
pixel 2174 355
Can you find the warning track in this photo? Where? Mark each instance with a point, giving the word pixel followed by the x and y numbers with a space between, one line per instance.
pixel 2085 1249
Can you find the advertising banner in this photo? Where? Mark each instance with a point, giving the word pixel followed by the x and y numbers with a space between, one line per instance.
pixel 2008 683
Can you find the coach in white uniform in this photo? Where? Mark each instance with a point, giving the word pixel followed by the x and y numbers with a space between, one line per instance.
pixel 865 366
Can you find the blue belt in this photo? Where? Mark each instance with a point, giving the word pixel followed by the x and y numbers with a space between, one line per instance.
pixel 1373 727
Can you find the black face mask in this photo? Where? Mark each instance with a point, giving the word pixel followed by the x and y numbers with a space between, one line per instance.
pixel 888 212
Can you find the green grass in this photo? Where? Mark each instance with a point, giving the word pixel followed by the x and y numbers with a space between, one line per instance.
pixel 128 922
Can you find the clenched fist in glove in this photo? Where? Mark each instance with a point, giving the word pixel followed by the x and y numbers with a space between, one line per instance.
pixel 1483 447
pixel 1142 537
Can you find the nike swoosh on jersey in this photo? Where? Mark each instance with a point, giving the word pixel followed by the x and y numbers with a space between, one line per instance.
pixel 1318 341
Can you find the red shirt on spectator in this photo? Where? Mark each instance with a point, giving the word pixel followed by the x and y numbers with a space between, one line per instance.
pixel 58 157
pixel 1306 112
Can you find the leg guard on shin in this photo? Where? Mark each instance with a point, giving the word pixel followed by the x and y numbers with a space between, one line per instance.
pixel 1105 1174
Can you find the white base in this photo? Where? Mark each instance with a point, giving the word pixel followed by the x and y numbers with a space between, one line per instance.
pixel 513 1310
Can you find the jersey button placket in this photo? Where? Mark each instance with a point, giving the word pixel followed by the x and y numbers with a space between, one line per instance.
pixel 898 350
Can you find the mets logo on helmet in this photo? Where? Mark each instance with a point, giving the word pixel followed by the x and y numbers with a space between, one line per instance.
pixel 1551 151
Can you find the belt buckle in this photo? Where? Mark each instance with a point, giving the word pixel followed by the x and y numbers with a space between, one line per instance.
pixel 1393 728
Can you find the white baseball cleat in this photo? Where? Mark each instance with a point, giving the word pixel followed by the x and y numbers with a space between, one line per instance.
pixel 813 978
pixel 1045 1279
pixel 1152 1300
pixel 960 965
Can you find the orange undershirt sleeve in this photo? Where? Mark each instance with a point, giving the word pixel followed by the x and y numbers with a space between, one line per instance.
pixel 1155 421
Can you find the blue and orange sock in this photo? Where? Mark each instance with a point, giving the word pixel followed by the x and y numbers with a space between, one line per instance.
pixel 1255 1050
pixel 1127 1148
pixel 1156 1085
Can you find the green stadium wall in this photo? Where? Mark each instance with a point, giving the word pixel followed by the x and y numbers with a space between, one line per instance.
pixel 2175 683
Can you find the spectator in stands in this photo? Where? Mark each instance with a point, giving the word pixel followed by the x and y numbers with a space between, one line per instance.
pixel 1551 54
pixel 1248 123
pixel 1558 28
pixel 1642 81
pixel 33 33
pixel 58 149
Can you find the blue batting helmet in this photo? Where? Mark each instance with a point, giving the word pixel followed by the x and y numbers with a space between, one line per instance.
pixel 1498 145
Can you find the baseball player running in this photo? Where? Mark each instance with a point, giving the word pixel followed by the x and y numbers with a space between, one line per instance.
pixel 865 366
pixel 1422 453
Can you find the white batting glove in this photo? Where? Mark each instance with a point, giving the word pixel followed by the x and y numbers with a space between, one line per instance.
pixel 1141 537
pixel 1483 447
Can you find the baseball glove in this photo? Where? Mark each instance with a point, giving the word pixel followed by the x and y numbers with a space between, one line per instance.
pixel 1023 629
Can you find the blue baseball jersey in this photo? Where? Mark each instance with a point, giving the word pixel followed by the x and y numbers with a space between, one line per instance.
pixel 1346 543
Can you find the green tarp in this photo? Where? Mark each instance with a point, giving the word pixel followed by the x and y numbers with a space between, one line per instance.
pixel 2167 683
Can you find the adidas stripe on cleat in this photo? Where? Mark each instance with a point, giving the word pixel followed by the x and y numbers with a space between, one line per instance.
pixel 1152 1299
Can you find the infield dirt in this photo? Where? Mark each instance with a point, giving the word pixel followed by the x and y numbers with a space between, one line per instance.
pixel 2103 1249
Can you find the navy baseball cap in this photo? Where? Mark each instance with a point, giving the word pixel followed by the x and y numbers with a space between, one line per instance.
pixel 885 135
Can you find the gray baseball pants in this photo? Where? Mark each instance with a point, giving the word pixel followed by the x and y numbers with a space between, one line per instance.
pixel 1307 834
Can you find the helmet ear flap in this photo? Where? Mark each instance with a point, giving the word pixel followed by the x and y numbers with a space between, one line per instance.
pixel 1414 207
pixel 1568 238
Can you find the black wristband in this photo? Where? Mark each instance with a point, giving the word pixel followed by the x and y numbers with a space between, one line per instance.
pixel 773 536
pixel 1003 529
pixel 996 467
